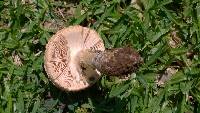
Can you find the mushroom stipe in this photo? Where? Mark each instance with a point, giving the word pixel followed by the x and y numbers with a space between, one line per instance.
pixel 75 57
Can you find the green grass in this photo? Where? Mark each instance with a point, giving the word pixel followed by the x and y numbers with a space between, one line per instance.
pixel 25 28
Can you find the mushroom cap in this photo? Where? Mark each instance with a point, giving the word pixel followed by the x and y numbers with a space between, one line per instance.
pixel 61 60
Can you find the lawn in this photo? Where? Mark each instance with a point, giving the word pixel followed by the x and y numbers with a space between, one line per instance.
pixel 166 33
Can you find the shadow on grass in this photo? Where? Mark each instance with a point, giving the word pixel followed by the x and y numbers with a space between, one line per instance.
pixel 96 99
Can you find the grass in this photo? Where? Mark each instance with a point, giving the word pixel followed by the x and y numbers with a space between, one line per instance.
pixel 165 32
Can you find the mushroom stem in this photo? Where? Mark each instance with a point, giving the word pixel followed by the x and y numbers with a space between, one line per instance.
pixel 118 61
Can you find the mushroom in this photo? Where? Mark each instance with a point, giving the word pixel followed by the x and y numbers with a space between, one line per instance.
pixel 75 57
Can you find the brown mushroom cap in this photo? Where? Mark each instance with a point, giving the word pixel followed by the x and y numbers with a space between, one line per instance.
pixel 61 57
